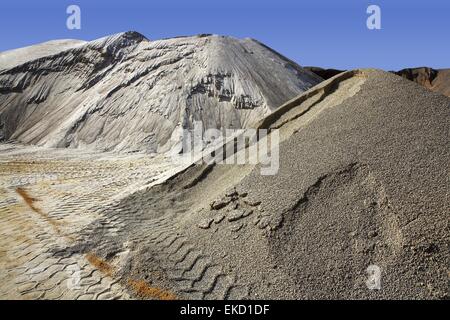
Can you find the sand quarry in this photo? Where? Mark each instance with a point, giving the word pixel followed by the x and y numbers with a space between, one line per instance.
pixel 363 180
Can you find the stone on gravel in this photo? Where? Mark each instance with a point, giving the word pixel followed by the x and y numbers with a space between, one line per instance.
pixel 236 215
pixel 252 202
pixel 205 223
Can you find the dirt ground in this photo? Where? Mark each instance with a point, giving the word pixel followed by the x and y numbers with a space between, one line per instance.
pixel 46 198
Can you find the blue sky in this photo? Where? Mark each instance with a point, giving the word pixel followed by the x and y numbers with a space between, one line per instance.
pixel 327 33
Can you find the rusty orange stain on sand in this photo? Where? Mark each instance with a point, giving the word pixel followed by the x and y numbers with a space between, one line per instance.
pixel 29 200
pixel 143 290
pixel 100 264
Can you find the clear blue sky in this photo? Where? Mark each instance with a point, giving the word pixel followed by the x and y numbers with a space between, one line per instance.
pixel 328 33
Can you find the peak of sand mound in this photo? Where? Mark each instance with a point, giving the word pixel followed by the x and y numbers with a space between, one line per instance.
pixel 362 185
pixel 126 93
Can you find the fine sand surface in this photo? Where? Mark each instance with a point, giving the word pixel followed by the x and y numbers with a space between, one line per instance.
pixel 363 181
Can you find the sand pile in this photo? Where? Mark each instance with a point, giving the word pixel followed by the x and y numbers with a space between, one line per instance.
pixel 127 93
pixel 363 183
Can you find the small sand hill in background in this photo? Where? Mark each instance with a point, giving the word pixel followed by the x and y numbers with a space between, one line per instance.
pixel 437 80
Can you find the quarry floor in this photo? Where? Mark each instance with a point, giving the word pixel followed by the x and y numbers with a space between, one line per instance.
pixel 46 198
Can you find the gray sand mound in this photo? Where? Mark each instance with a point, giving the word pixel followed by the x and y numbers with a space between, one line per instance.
pixel 363 181
pixel 127 93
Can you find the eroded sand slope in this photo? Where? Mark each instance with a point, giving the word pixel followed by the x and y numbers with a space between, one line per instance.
pixel 127 93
